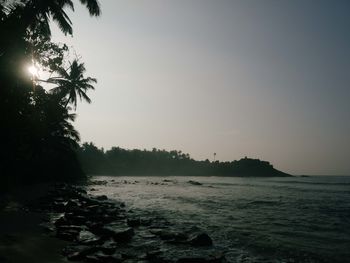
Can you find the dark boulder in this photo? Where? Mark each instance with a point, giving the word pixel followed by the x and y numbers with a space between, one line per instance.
pixel 201 239
pixel 120 233
pixel 133 222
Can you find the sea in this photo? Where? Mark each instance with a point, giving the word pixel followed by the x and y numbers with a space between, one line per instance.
pixel 289 219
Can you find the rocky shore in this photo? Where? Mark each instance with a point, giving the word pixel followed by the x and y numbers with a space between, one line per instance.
pixel 101 230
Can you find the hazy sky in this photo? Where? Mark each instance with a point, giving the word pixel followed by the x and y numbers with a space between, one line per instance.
pixel 264 79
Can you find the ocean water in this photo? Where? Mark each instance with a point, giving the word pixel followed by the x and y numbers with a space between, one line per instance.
pixel 293 219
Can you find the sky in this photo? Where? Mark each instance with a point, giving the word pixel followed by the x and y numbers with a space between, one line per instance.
pixel 266 79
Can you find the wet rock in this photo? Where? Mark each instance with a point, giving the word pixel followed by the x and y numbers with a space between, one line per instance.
pixel 213 259
pixel 133 222
pixel 92 208
pixel 137 221
pixel 101 197
pixel 98 182
pixel 154 254
pixel 194 256
pixel 81 190
pixel 100 257
pixel 194 182
pixel 168 181
pixel 70 227
pixel 67 234
pixel 75 219
pixel 61 221
pixel 86 237
pixel 78 253
pixel 146 235
pixel 108 247
pixel 170 236
pixel 59 206
pixel 201 239
pixel 136 261
pixel 119 232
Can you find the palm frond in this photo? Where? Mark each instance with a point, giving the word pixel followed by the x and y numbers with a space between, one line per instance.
pixel 93 6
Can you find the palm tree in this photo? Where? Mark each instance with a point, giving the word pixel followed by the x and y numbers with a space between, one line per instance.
pixel 72 84
pixel 36 14
pixel 39 12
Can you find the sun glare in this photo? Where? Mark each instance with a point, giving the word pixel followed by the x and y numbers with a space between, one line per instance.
pixel 33 70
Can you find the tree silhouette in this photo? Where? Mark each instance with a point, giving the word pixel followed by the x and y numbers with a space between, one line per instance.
pixel 119 161
pixel 72 84
pixel 38 135
pixel 38 13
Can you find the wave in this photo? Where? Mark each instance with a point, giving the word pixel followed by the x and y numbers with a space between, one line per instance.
pixel 313 183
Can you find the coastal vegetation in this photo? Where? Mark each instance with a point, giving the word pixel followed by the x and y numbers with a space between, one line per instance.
pixel 39 141
pixel 119 161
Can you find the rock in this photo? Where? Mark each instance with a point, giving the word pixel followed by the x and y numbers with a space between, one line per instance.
pixel 80 190
pixel 76 219
pixel 108 247
pixel 133 222
pixel 119 233
pixel 137 261
pixel 92 208
pixel 154 254
pixel 201 239
pixel 86 237
pixel 194 182
pixel 123 235
pixel 145 234
pixel 59 206
pixel 101 197
pixel 61 221
pixel 213 259
pixel 67 234
pixel 78 253
pixel 70 227
pixel 72 205
pixel 75 256
pixel 170 236
pixel 98 182
pixel 100 257
pixel 194 256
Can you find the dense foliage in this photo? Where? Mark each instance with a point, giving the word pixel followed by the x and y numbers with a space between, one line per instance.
pixel 118 161
pixel 39 140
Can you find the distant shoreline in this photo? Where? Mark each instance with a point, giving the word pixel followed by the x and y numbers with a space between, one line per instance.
pixel 182 175
pixel 119 161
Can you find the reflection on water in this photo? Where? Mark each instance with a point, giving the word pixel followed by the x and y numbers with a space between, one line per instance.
pixel 299 219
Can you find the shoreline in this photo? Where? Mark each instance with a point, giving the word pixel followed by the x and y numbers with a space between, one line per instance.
pixel 68 224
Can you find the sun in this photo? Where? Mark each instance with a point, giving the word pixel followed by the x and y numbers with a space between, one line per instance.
pixel 33 70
